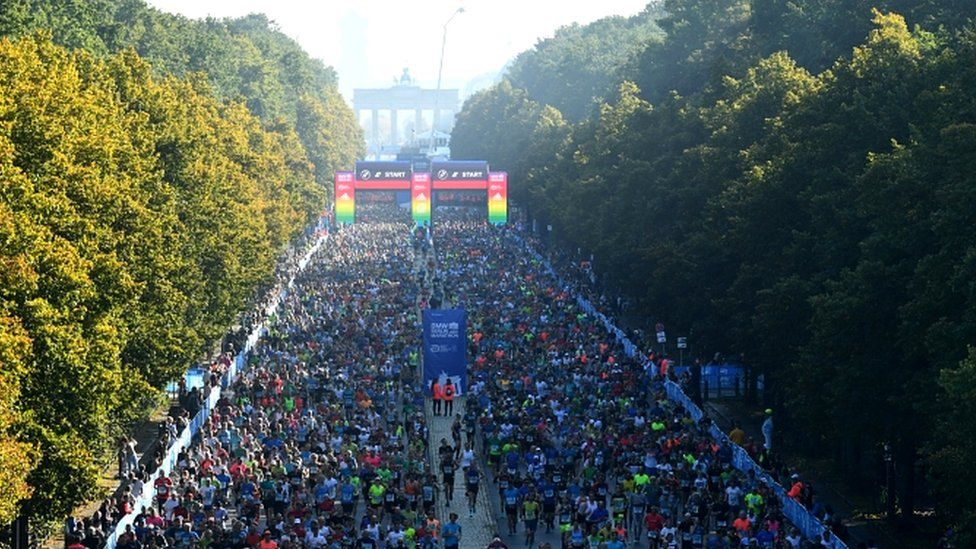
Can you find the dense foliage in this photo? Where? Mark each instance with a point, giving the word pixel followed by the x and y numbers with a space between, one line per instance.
pixel 152 169
pixel 575 68
pixel 792 181
pixel 244 59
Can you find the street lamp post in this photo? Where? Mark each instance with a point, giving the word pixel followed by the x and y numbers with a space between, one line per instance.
pixel 440 71
pixel 889 459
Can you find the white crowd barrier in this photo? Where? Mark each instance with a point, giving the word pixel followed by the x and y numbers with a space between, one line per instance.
pixel 148 495
pixel 809 525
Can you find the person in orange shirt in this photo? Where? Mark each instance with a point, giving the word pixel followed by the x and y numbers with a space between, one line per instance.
pixel 449 398
pixel 796 491
pixel 437 393
pixel 266 541
pixel 742 524
pixel 433 526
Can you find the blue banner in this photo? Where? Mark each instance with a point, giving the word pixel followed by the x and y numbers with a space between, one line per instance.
pixel 445 347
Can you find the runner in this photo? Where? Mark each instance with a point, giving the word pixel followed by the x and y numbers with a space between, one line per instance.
pixel 447 476
pixel 472 481
pixel 323 416
pixel 530 517
pixel 451 533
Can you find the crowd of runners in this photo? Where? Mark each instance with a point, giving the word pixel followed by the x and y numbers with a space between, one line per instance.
pixel 322 441
pixel 579 438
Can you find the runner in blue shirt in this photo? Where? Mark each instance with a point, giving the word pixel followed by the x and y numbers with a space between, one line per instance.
pixel 347 497
pixel 451 532
pixel 471 479
pixel 511 498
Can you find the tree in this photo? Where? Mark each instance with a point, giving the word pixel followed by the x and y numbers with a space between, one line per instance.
pixel 793 183
pixel 138 216
pixel 496 125
pixel 955 446
pixel 248 59
pixel 576 68
pixel 703 43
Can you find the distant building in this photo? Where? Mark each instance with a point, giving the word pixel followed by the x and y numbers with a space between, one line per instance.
pixel 385 133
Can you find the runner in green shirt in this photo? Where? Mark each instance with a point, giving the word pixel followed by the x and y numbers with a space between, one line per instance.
pixel 530 515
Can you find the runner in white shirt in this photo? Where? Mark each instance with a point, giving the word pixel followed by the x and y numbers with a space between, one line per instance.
pixel 330 487
pixel 466 458
pixel 733 496
pixel 373 529
pixel 207 494
pixel 395 536
pixel 316 537
pixel 168 507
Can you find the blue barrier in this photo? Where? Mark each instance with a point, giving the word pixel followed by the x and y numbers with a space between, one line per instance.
pixel 183 440
pixel 809 525
pixel 720 379
pixel 193 378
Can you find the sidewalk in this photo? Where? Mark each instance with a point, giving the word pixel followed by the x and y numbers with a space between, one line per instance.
pixel 146 436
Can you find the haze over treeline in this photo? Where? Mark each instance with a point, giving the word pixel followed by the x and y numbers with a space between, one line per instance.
pixel 788 181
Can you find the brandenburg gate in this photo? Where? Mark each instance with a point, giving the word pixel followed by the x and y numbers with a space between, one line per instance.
pixel 404 96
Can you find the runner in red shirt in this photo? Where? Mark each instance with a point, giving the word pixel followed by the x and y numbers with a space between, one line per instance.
pixel 163 486
pixel 653 520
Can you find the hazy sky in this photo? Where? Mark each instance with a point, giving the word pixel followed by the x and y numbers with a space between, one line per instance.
pixel 369 42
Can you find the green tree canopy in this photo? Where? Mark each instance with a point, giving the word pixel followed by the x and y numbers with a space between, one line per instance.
pixel 792 183
pixel 577 67
pixel 139 214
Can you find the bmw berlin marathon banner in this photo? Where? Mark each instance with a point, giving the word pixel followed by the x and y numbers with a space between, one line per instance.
pixel 445 347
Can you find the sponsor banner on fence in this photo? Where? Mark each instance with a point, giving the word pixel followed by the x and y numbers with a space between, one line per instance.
pixel 445 346
pixel 498 198
pixel 420 198
pixel 345 198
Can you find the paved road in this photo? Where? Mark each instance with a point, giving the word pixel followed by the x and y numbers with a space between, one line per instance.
pixel 476 531
pixel 518 540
